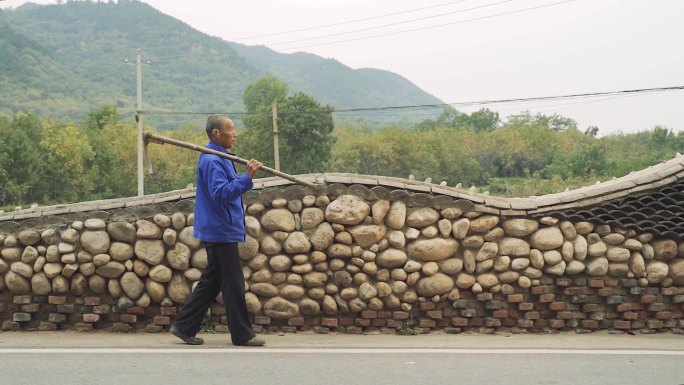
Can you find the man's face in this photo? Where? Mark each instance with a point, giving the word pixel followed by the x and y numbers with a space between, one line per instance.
pixel 226 136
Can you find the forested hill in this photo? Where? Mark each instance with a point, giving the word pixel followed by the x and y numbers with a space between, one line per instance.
pixel 68 59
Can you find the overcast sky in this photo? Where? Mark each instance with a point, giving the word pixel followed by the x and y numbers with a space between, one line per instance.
pixel 482 50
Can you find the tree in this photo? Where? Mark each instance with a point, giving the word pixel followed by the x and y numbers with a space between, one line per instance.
pixel 306 131
pixel 257 141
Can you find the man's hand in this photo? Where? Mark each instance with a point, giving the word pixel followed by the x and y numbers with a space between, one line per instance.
pixel 253 166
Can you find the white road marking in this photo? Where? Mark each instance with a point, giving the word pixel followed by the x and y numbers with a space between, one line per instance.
pixel 191 350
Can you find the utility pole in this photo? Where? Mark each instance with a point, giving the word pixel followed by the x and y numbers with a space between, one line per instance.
pixel 276 150
pixel 139 119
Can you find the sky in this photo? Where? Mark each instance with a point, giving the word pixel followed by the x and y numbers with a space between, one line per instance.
pixel 464 51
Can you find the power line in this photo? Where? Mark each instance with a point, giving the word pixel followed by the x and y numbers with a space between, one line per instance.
pixel 349 22
pixel 392 24
pixel 430 27
pixel 621 93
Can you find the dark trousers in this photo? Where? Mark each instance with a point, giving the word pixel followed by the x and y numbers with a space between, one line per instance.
pixel 223 274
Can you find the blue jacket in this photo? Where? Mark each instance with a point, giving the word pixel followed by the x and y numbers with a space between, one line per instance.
pixel 219 216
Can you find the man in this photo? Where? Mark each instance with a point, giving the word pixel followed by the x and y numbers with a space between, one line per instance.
pixel 220 225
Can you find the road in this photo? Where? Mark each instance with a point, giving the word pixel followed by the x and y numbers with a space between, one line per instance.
pixel 62 358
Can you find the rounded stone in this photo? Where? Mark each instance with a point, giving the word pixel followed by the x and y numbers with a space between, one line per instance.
pixel 311 217
pixel 366 235
pixel 574 267
pixel 148 230
pixel 264 289
pixel 16 283
pixel 179 288
pixel 28 237
pixel 132 285
pixel 297 242
pixel 514 247
pixel 120 251
pixel 322 237
pixel 178 221
pixel 292 292
pixel 391 258
pixel 161 273
pixel 487 281
pixel 656 271
pixel 451 266
pixel 548 238
pixel 122 231
pixel 436 249
pixel 150 251
pixel 280 263
pixel 199 259
pixel 280 308
pixel 178 257
pixel 188 239
pixel 40 284
pixel 110 270
pixel 422 217
pixel 396 217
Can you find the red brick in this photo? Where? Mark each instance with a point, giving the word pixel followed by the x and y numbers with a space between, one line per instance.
pixel 434 314
pixel 591 307
pixel 542 289
pixel 101 309
pixel 525 306
pixel 47 326
pixel 596 283
pixel 30 308
pixel 161 320
pixel 532 315
pixel 137 310
pixel 84 327
pixel 525 323
pixel 557 323
pixel 612 282
pixel 459 321
pixel 663 315
pixel 623 325
pixel 564 315
pixel 563 282
pixel 515 298
pixel 128 318
pixel 501 313
pixel 648 298
pixel 669 291
pixel 57 300
pixel 345 321
pixel 606 292
pixel 91 301
pixel 22 299
pixel 400 315
pixel 556 306
pixel 168 310
pixel 329 322
pixel 296 321
pixel 624 307
pixel 654 324
pixel 476 321
pixel 630 315
pixel 378 322
pixel 589 324
pixel 427 323
pixel 362 322
pixel 547 297
pixel 427 306
pixel 369 314
pixel 120 327
pixel 90 318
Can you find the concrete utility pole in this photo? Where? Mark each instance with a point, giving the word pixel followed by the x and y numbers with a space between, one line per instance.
pixel 139 119
pixel 276 149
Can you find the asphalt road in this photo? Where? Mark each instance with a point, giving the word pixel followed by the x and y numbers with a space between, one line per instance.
pixel 303 359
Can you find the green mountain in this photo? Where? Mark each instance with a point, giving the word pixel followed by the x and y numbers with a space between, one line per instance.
pixel 68 59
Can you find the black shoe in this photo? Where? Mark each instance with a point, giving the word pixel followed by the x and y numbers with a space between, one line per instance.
pixel 190 340
pixel 254 342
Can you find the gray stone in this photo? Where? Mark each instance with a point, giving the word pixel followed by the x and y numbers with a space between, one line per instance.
pixel 487 281
pixel 487 251
pixel 110 270
pixel 618 254
pixel 120 251
pixel 637 265
pixel 150 251
pixel 514 247
pixel 347 210
pixel 64 248
pixel 280 263
pixel 16 283
pixel 280 308
pixel 338 250
pixel 23 269
pixel 178 257
pixel 656 271
pixel 179 288
pixel 292 292
pixel 366 235
pixel 40 284
pixel 297 242
pixel 178 221
pixel 122 231
pixel 29 255
pixel 422 217
pixel 248 249
pixel 186 237
pixel 396 217
pixel 264 290
pixel 391 258
pixel 311 217
pixel 574 267
pixel 379 211
pixel 597 249
pixel 132 285
pixel 315 279
pixel 170 236
pixel 28 237
pixel 69 235
pixel 155 290
pixel 665 249
pixel 597 266
pixel 322 237
pixel 484 223
pixel 459 229
pixel 199 259
pixel 95 224
pixel 309 307
pixel 148 230
pixel 436 284
pixel 580 247
pixel 548 238
pixel 49 236
pixel 432 249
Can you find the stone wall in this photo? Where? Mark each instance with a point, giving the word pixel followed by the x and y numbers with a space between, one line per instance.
pixel 356 257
